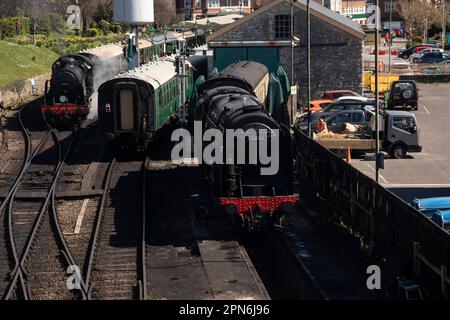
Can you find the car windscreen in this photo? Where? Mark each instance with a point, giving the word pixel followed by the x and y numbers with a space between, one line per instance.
pixel 402 86
pixel 446 226
pixel 405 123
pixel 334 108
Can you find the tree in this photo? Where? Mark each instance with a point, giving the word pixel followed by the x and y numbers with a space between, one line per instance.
pixel 165 12
pixel 419 15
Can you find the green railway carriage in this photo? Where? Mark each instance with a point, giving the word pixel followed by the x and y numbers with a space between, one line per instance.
pixel 134 105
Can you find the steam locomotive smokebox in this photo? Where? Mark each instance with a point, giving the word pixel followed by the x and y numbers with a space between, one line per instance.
pixel 134 12
pixel 168 187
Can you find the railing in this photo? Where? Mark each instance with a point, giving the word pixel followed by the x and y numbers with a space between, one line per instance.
pixel 405 68
pixel 385 221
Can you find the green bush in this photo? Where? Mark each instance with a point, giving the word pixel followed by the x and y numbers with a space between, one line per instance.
pixel 104 26
pixel 115 28
pixel 93 25
pixel 8 26
pixel 93 32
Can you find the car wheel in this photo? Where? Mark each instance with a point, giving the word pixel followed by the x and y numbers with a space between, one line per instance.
pixel 415 107
pixel 407 94
pixel 399 151
pixel 415 60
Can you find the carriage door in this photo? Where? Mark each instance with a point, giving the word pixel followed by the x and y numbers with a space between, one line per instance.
pixel 127 108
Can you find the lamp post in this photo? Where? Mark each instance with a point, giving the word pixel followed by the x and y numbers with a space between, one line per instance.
pixel 377 98
pixel 444 22
pixel 390 34
pixel 308 22
pixel 165 29
pixel 152 34
pixel 195 31
pixel 208 26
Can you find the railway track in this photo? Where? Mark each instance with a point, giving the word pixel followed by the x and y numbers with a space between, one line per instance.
pixel 30 240
pixel 114 270
pixel 32 145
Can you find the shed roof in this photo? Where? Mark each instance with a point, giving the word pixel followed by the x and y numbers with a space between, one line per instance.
pixel 316 10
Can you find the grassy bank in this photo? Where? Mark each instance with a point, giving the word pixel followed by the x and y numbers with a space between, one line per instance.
pixel 20 62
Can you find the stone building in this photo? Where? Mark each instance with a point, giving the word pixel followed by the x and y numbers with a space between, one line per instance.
pixel 264 36
pixel 210 8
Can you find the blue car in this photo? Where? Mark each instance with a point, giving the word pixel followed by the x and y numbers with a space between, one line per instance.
pixel 442 219
pixel 428 206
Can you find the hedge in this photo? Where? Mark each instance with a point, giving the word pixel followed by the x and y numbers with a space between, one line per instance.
pixel 8 26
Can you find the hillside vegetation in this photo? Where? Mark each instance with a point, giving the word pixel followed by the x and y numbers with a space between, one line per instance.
pixel 20 62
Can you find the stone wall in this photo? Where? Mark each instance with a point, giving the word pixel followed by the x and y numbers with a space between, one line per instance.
pixel 336 55
pixel 12 97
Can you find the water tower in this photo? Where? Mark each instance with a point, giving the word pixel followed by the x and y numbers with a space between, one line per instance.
pixel 134 13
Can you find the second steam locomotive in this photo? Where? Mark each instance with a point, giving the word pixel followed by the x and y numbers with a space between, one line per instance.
pixel 236 100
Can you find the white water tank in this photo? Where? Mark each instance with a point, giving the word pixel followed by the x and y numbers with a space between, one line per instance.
pixel 134 12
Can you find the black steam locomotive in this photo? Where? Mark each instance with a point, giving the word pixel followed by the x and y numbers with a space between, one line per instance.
pixel 67 94
pixel 236 99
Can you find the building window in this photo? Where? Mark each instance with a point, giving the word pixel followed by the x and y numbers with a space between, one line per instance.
pixel 282 26
pixel 198 3
pixel 228 3
pixel 386 6
pixel 213 3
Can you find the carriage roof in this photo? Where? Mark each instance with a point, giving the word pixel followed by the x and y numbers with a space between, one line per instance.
pixel 154 73
pixel 113 49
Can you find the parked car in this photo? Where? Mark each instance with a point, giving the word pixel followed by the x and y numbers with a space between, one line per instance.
pixel 336 121
pixel 434 57
pixel 442 219
pixel 354 98
pixel 434 43
pixel 335 108
pixel 428 206
pixel 414 58
pixel 317 105
pixel 403 93
pixel 406 53
pixel 334 94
